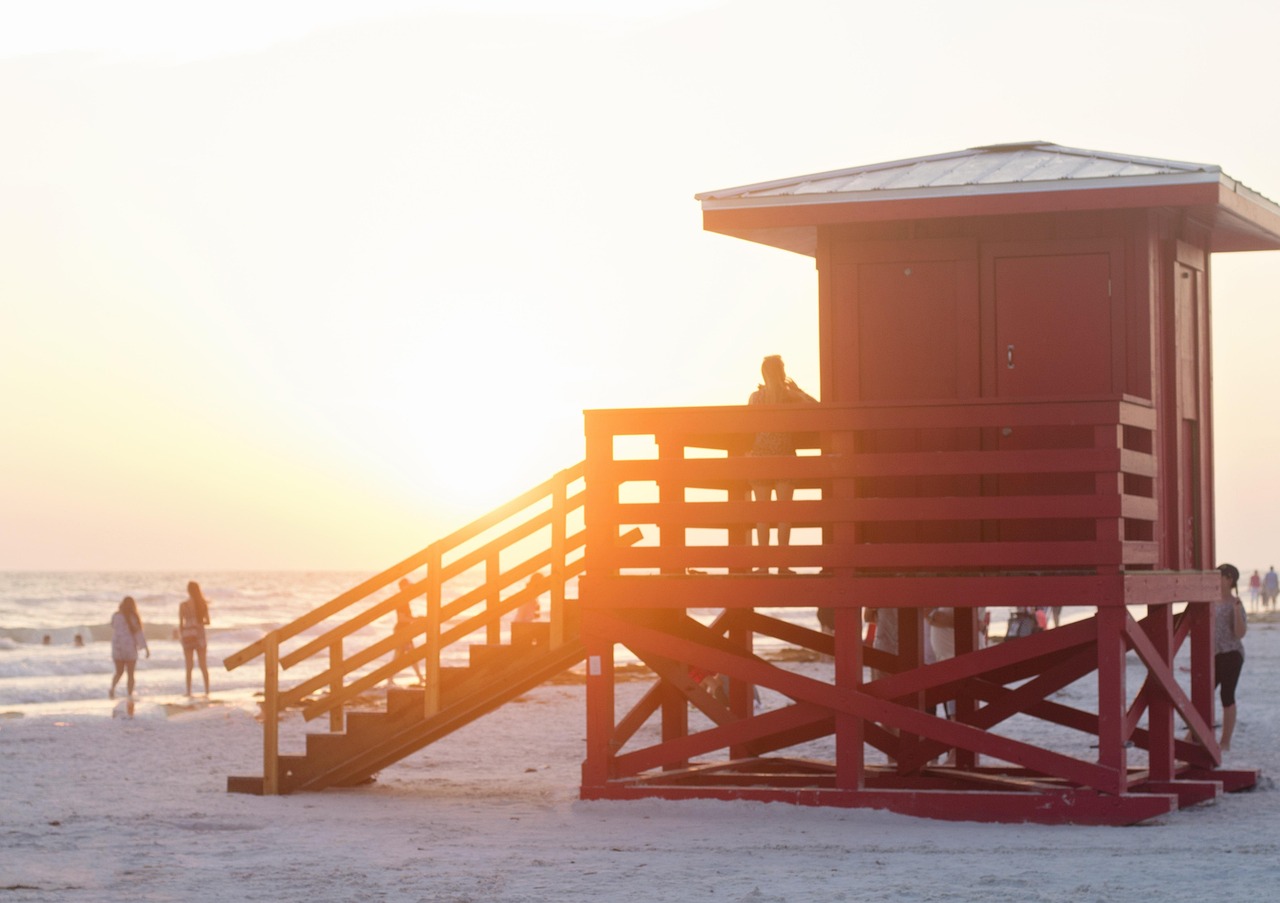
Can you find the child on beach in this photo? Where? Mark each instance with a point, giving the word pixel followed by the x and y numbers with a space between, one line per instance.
pixel 193 614
pixel 126 639
pixel 1229 628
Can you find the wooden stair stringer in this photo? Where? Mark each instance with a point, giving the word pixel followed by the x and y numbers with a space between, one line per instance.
pixel 476 698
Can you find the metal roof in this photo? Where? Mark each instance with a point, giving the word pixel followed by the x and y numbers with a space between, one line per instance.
pixel 998 166
pixel 1018 172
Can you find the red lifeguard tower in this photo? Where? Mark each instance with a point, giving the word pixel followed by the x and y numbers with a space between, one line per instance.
pixel 1016 411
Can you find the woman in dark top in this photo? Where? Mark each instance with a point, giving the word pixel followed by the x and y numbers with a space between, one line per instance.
pixel 193 615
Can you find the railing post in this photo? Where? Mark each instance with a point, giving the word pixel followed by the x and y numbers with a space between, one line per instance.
pixel 492 571
pixel 671 532
pixel 337 715
pixel 431 668
pixel 271 716
pixel 1109 486
pixel 559 518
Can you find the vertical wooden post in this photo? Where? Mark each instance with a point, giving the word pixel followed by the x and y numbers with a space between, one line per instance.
pixel 271 716
pixel 850 752
pixel 559 526
pixel 910 657
pixel 742 695
pixel 965 621
pixel 600 523
pixel 1202 674
pixel 337 714
pixel 492 575
pixel 431 668
pixel 597 768
pixel 1159 627
pixel 671 530
pixel 1111 694
pixel 675 721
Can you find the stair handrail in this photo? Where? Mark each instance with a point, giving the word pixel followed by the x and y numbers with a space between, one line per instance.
pixel 456 547
pixel 412 563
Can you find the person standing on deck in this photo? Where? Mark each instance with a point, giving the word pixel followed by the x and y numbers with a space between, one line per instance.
pixel 777 388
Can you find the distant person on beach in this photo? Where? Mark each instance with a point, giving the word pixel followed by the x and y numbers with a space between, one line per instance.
pixel 777 388
pixel 1229 628
pixel 404 623
pixel 1255 588
pixel 126 639
pixel 531 609
pixel 193 615
pixel 1270 588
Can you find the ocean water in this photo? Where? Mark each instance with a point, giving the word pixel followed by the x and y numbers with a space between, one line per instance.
pixel 62 677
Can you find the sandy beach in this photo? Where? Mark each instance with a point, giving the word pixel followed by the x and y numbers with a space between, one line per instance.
pixel 100 806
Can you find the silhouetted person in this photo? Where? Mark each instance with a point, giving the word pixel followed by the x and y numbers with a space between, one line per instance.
pixel 531 609
pixel 126 639
pixel 193 615
pixel 777 388
pixel 404 619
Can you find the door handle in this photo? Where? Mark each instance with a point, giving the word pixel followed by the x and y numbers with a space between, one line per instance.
pixel 1009 357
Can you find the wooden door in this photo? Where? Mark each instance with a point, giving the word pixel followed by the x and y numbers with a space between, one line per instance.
pixel 1052 319
pixel 905 319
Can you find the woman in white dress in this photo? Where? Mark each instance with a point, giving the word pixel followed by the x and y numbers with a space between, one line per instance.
pixel 126 639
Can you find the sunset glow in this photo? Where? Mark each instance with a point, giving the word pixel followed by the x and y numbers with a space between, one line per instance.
pixel 295 285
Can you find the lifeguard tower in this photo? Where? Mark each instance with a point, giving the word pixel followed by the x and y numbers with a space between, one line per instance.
pixel 1015 410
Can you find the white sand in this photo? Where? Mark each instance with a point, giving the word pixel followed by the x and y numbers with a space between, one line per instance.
pixel 96 808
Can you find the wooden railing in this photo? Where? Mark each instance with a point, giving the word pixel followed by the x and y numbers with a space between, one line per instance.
pixel 937 488
pixel 539 532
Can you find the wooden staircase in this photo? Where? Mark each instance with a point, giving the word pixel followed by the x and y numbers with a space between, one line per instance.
pixel 372 741
pixel 521 560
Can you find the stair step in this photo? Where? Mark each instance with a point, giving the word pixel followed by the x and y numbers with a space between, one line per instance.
pixel 291 769
pixel 494 655
pixel 374 740
pixel 321 746
pixel 402 700
pixel 242 784
pixel 525 634
pixel 370 723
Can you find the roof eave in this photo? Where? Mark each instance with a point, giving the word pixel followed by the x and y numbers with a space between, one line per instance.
pixel 1240 219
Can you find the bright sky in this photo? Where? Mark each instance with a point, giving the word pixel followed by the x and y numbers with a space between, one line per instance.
pixel 306 284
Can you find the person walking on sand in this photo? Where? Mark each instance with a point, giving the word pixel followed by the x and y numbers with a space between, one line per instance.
pixel 193 615
pixel 777 388
pixel 1270 588
pixel 404 623
pixel 126 639
pixel 1255 588
pixel 1229 628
